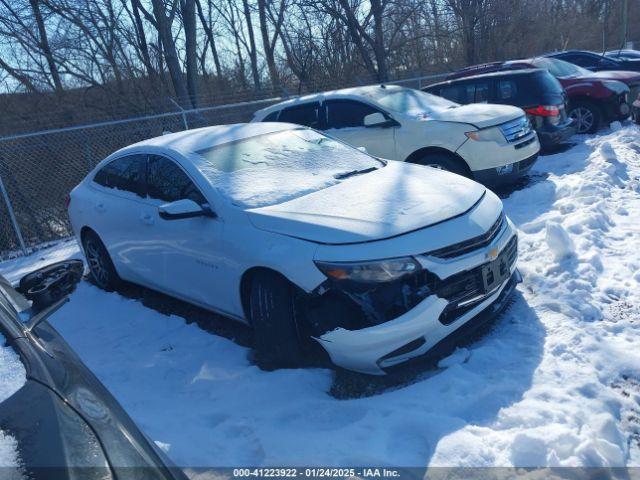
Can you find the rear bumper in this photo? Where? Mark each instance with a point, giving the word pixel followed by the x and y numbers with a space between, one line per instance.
pixel 494 177
pixel 551 136
pixel 616 107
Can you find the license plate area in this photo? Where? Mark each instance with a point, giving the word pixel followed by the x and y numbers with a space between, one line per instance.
pixel 495 272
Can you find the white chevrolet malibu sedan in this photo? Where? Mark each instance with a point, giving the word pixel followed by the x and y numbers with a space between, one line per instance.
pixel 301 236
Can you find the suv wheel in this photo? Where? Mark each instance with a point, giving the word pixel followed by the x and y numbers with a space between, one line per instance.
pixel 442 161
pixel 587 117
pixel 273 316
pixel 103 273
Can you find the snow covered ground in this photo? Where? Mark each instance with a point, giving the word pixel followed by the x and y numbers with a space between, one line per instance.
pixel 555 382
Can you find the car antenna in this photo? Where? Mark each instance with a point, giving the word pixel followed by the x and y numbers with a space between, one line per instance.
pixel 42 315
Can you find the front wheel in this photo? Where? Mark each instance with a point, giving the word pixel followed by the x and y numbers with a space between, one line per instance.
pixel 442 161
pixel 103 273
pixel 273 316
pixel 587 117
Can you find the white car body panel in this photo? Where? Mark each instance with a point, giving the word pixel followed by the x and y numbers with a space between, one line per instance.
pixel 397 210
pixel 441 128
pixel 365 208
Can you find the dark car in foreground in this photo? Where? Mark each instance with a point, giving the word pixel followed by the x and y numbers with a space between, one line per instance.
pixel 64 421
pixel 534 90
pixel 596 62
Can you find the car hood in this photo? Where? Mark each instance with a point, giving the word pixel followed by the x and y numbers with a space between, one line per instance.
pixel 620 75
pixel 390 201
pixel 480 115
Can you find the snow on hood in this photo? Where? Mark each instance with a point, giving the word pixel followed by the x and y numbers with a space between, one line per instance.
pixel 393 200
pixel 481 115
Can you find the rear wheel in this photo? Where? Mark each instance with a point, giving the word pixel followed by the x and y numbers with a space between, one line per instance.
pixel 587 117
pixel 442 161
pixel 273 316
pixel 103 273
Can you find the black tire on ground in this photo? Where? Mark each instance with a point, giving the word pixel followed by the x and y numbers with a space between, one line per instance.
pixel 446 162
pixel 273 316
pixel 103 273
pixel 587 116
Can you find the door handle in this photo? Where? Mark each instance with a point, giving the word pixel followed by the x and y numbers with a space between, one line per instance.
pixel 146 218
pixel 100 208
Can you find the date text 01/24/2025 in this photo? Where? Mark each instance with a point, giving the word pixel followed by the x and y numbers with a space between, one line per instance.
pixel 315 472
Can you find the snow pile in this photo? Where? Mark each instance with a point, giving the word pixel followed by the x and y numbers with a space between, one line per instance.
pixel 559 241
pixel 555 383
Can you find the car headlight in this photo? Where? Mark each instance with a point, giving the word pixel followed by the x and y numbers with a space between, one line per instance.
pixel 615 86
pixel 491 134
pixel 376 271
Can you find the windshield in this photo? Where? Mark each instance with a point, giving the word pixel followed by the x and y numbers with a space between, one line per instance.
pixel 560 68
pixel 409 101
pixel 276 167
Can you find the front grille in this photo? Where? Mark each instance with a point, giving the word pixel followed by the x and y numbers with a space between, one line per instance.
pixel 516 129
pixel 525 143
pixel 465 290
pixel 467 246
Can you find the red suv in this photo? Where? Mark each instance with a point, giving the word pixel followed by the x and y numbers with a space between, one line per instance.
pixel 595 98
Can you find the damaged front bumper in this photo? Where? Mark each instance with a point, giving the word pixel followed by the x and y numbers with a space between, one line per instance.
pixel 417 332
pixel 451 291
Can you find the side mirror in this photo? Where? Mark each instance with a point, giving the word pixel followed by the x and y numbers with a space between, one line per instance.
pixel 185 208
pixel 377 119
pixel 50 284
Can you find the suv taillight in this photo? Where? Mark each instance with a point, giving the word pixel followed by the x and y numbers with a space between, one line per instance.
pixel 544 111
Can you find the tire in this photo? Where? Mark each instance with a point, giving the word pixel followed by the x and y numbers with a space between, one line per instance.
pixel 442 161
pixel 103 273
pixel 273 315
pixel 587 116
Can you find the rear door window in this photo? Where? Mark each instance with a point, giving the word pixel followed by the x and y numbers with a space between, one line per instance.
pixel 347 113
pixel 307 114
pixel 507 90
pixel 124 173
pixel 467 92
pixel 481 92
pixel 166 181
pixel 459 93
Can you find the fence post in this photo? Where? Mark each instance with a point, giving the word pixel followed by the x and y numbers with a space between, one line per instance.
pixel 184 115
pixel 16 227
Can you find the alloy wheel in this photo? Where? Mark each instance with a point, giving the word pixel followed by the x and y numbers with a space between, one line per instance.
pixel 584 119
pixel 97 263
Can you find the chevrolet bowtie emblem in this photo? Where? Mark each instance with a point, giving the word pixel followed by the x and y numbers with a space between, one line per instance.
pixel 492 254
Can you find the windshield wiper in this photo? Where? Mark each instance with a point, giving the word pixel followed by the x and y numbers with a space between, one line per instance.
pixel 352 173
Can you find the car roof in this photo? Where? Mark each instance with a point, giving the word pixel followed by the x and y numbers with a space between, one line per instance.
pixel 500 73
pixel 190 141
pixel 562 52
pixel 355 93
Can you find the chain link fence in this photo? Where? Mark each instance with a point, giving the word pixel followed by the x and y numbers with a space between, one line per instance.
pixel 39 169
